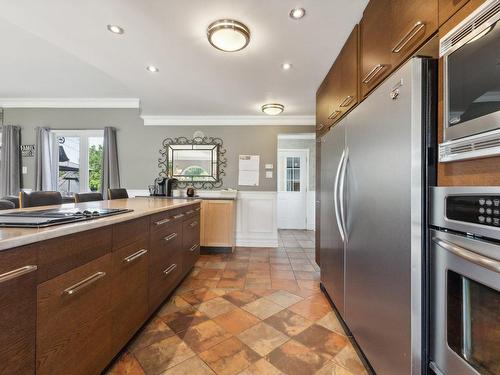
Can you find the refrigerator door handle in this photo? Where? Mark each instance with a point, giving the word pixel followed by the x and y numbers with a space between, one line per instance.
pixel 336 197
pixel 341 194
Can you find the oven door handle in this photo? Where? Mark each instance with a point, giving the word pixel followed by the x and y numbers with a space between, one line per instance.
pixel 469 255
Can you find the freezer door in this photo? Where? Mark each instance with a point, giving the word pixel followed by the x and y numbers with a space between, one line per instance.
pixel 331 242
pixel 383 199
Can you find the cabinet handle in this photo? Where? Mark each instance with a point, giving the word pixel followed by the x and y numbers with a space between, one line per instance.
pixel 409 36
pixel 164 221
pixel 170 269
pixel 194 247
pixel 193 224
pixel 134 256
pixel 320 126
pixel 197 209
pixel 376 70
pixel 334 114
pixel 83 284
pixel 178 216
pixel 170 237
pixel 189 212
pixel 347 101
pixel 16 273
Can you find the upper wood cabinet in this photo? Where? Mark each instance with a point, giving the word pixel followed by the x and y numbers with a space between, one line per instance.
pixel 349 71
pixel 412 23
pixel 448 8
pixel 375 42
pixel 322 108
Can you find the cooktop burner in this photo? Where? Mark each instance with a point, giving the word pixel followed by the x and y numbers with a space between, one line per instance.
pixel 49 217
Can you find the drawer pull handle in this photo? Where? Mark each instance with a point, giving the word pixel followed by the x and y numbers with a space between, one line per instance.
pixel 320 126
pixel 347 101
pixel 190 212
pixel 376 70
pixel 84 283
pixel 194 247
pixel 409 36
pixel 164 221
pixel 170 237
pixel 193 224
pixel 135 256
pixel 178 216
pixel 16 273
pixel 170 269
pixel 334 114
pixel 197 209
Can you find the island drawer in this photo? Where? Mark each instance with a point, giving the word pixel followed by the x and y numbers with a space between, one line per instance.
pixel 130 231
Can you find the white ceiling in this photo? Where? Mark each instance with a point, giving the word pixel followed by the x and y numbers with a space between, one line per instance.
pixel 62 49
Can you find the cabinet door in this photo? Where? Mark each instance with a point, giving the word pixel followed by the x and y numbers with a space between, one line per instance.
pixel 129 291
pixel 218 219
pixel 413 22
pixel 17 311
pixel 375 28
pixel 349 72
pixel 334 88
pixel 448 8
pixel 74 320
pixel 165 263
pixel 321 110
pixel 191 242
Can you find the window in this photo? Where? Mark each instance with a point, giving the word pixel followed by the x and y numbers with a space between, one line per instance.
pixel 79 166
pixel 292 174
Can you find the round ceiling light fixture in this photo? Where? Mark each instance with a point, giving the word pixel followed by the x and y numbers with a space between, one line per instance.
pixel 115 29
pixel 273 109
pixel 286 66
pixel 152 69
pixel 228 35
pixel 297 13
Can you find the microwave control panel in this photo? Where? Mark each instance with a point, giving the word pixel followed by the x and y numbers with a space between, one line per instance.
pixel 477 209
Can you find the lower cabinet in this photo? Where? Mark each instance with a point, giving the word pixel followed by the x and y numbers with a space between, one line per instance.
pixel 74 320
pixel 129 291
pixel 218 223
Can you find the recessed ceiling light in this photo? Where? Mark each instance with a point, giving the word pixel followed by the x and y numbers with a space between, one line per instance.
pixel 273 109
pixel 152 69
pixel 297 13
pixel 228 35
pixel 115 29
pixel 286 66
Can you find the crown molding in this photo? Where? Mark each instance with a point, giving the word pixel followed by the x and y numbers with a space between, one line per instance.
pixel 297 136
pixel 262 120
pixel 69 103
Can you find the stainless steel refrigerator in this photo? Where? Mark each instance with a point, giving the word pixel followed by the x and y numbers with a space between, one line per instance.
pixel 376 165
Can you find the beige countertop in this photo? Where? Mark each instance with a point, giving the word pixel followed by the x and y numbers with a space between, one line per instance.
pixel 14 237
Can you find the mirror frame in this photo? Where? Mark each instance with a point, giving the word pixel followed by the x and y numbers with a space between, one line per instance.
pixel 166 165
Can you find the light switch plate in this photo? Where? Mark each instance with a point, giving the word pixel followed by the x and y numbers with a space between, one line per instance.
pixel 269 174
pixel 269 166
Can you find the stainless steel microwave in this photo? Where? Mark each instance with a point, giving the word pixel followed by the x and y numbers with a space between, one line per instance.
pixel 471 72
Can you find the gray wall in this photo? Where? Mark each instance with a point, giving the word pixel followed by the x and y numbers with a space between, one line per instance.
pixel 138 145
pixel 308 144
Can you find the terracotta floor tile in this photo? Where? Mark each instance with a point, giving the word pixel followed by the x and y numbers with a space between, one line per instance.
pixel 303 267
pixel 229 357
pixel 349 359
pixel 284 298
pixel 288 322
pixel 215 307
pixel 126 365
pixel 297 261
pixel 263 338
pixel 280 267
pixel 306 275
pixel 191 284
pixel 331 322
pixel 257 284
pixel 283 260
pixel 204 335
pixel 156 330
pixel 236 265
pixel 290 285
pixel 312 308
pixel 309 284
pixel 279 274
pixel 234 273
pixel 331 368
pixel 183 319
pixel 231 283
pixel 164 354
pixel 258 266
pixel 262 308
pixel 293 358
pixel 261 367
pixel 208 274
pixel 241 297
pixel 198 295
pixel 172 305
pixel 236 321
pixel 191 366
pixel 322 340
pixel 215 265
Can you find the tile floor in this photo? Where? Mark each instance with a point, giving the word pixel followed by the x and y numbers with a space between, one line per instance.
pixel 256 311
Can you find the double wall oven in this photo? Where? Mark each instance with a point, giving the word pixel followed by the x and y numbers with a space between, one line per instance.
pixel 465 280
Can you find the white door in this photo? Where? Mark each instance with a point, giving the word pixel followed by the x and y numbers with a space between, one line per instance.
pixel 292 189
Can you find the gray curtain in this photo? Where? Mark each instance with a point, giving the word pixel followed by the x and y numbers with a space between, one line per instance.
pixel 46 160
pixel 10 160
pixel 110 172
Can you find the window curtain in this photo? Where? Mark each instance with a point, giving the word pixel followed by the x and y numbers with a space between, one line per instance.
pixel 10 160
pixel 110 172
pixel 46 160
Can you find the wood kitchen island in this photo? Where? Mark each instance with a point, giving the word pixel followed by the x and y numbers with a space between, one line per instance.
pixel 72 295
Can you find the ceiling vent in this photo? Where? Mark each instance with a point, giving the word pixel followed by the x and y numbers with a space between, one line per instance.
pixel 488 13
pixel 474 147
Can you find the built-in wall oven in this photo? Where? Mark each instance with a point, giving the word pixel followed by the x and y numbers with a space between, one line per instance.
pixel 471 70
pixel 465 280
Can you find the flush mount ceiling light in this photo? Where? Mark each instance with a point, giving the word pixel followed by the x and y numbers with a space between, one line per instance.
pixel 228 35
pixel 273 109
pixel 286 66
pixel 152 69
pixel 297 13
pixel 115 29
